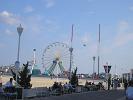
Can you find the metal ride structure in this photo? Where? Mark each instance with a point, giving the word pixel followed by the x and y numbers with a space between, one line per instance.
pixel 71 54
pixel 55 59
pixel 98 58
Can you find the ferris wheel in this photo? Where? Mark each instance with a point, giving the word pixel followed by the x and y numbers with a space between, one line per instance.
pixel 56 58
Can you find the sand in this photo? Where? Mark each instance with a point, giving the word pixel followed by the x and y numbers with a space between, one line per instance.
pixel 46 82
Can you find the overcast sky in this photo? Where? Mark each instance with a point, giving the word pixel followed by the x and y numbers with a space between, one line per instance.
pixel 48 21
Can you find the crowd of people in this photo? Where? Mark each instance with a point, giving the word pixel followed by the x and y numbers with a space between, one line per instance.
pixel 62 88
pixel 92 86
pixel 115 84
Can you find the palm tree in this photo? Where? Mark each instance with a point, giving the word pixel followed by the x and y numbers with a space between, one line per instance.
pixel 23 77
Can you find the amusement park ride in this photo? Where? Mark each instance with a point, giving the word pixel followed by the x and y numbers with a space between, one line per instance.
pixel 56 56
pixel 57 59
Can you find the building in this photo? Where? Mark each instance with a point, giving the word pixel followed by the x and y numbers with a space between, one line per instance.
pixel 128 76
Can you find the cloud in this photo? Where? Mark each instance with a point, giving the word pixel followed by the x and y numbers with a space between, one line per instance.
pixel 9 32
pixel 123 39
pixel 88 42
pixel 29 9
pixel 51 26
pixel 48 21
pixel 93 49
pixel 8 18
pixel 2 45
pixel 37 25
pixel 89 0
pixel 49 3
pixel 124 35
pixel 91 13
pixel 131 8
pixel 86 39
pixel 123 26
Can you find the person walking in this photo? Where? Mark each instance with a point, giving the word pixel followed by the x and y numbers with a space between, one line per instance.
pixel 129 91
pixel 125 85
pixel 115 84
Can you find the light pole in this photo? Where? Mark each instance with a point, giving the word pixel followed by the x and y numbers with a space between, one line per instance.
pixel 34 60
pixel 17 63
pixel 122 77
pixel 93 67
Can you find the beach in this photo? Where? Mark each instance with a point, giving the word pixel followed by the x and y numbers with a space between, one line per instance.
pixel 47 82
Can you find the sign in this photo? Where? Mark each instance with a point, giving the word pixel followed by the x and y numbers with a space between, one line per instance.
pixel 107 68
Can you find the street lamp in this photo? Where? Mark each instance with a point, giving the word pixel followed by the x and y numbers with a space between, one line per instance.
pixel 122 77
pixel 93 67
pixel 34 60
pixel 17 63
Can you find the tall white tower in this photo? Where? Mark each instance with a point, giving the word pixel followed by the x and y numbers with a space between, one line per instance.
pixel 71 54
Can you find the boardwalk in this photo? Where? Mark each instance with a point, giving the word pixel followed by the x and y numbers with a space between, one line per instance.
pixel 93 95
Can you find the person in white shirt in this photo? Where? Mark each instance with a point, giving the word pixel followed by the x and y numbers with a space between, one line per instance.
pixel 9 83
pixel 0 81
pixel 66 86
pixel 129 91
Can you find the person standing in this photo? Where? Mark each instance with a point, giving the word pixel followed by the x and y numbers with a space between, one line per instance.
pixel 115 84
pixel 1 89
pixel 129 91
pixel 109 83
pixel 9 87
pixel 125 85
pixel 9 83
pixel 0 80
pixel 61 91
